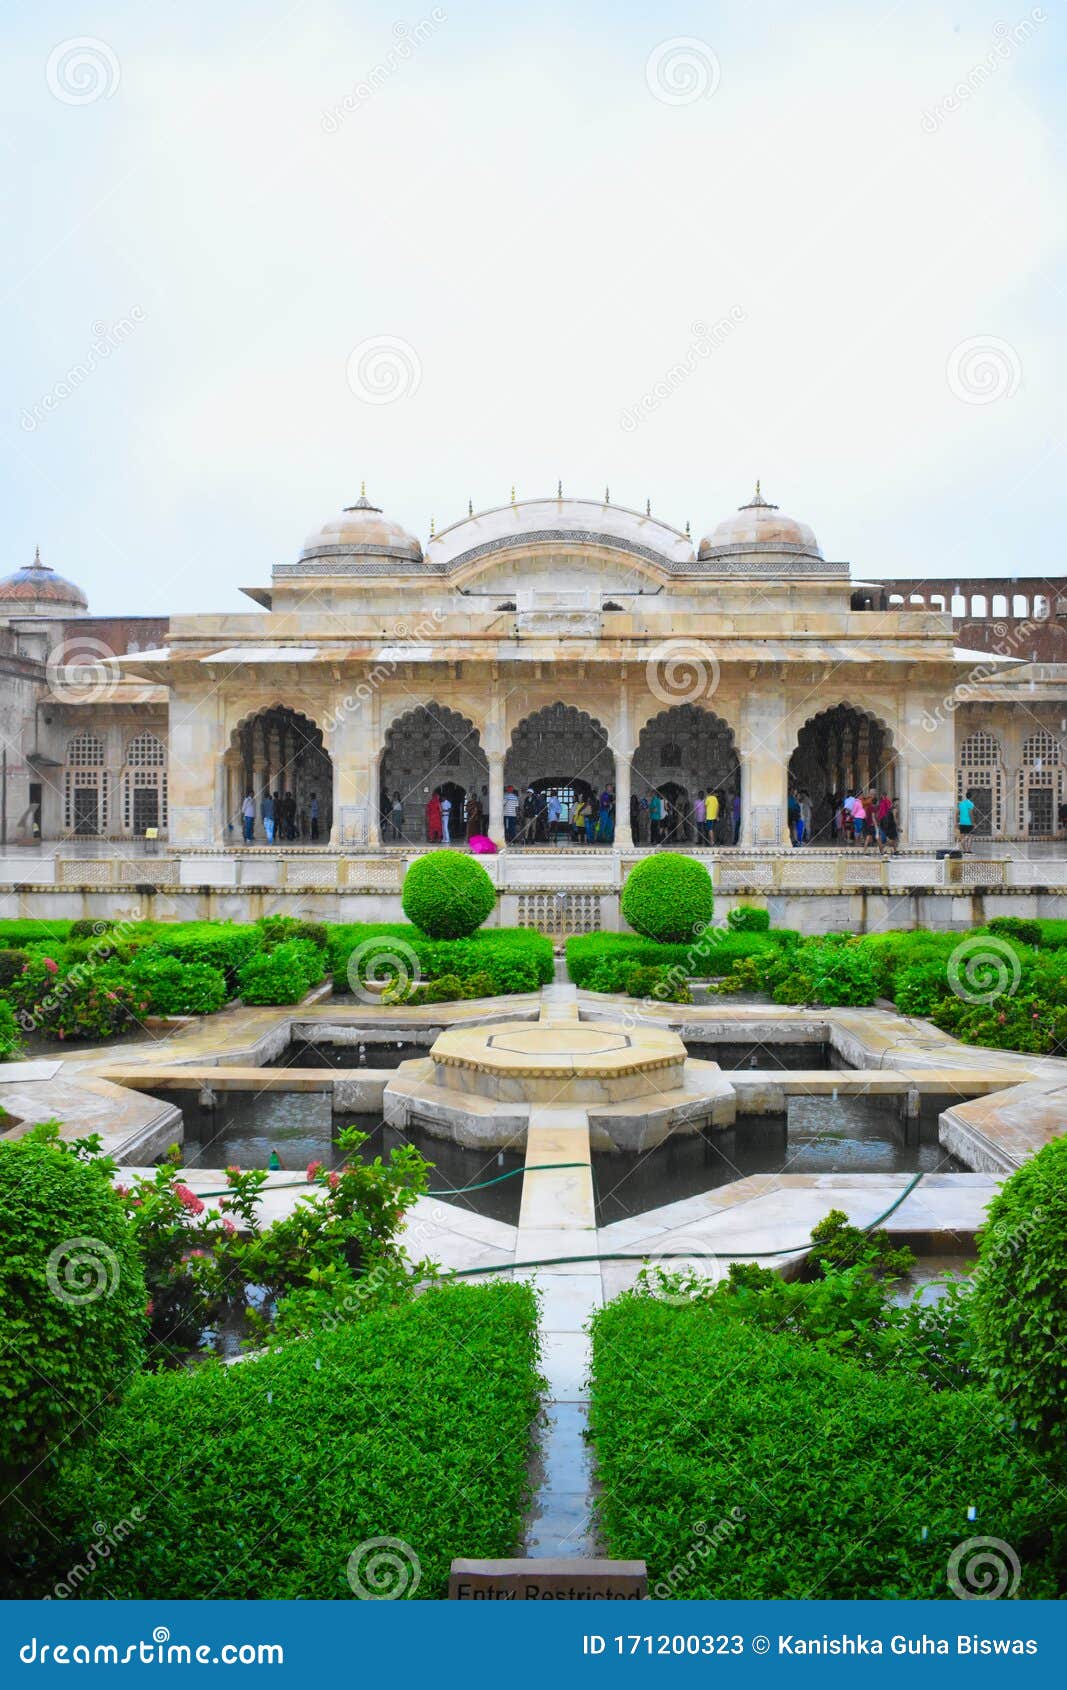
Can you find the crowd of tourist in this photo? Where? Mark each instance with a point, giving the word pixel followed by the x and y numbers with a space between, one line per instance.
pixel 866 819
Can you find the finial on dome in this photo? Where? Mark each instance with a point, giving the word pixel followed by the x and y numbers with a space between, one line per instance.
pixel 37 564
pixel 688 535
pixel 559 489
pixel 757 501
pixel 433 528
pixel 648 507
pixel 607 495
pixel 513 492
pixel 363 489
pixel 470 507
pixel 758 495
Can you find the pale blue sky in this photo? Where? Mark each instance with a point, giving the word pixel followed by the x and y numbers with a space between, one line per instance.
pixel 840 226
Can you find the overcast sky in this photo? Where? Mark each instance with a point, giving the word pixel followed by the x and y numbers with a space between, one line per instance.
pixel 259 251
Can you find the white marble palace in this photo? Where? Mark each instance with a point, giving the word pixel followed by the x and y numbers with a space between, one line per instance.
pixel 569 645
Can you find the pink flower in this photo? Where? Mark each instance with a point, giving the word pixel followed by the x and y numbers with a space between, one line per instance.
pixel 52 967
pixel 189 1201
pixel 149 1309
pixel 227 1224
pixel 232 1170
pixel 122 1191
pixel 333 1179
pixel 314 1169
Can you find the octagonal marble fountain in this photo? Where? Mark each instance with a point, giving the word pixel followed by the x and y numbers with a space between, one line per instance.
pixel 635 1083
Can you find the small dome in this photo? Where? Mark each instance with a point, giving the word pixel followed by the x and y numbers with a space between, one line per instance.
pixel 361 530
pixel 36 588
pixel 759 526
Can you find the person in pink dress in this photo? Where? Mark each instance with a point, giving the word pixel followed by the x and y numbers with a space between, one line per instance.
pixel 433 818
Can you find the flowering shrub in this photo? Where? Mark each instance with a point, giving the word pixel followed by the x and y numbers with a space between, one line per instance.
pixel 10 1042
pixel 83 1002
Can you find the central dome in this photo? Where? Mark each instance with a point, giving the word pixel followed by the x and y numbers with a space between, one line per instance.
pixel 761 527
pixel 361 531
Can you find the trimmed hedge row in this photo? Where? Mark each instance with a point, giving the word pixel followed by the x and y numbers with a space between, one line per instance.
pixel 712 953
pixel 504 959
pixel 790 1472
pixel 411 1423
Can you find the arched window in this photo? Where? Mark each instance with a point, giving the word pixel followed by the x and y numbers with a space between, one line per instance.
pixel 85 786
pixel 895 598
pixel 978 605
pixel 1040 788
pixel 1040 608
pixel 1020 605
pixel 959 605
pixel 937 601
pixel 144 785
pixel 917 600
pixel 980 777
pixel 1000 604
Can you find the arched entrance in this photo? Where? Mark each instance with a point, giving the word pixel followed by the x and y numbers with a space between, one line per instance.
pixel 841 750
pixel 685 753
pixel 431 749
pixel 563 750
pixel 280 752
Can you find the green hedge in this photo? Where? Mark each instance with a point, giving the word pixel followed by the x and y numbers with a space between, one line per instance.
pixel 667 897
pixel 712 953
pixel 513 959
pixel 447 894
pixel 282 975
pixel 786 1471
pixel 174 987
pixel 222 944
pixel 72 1300
pixel 1020 1307
pixel 413 1422
pixel 28 932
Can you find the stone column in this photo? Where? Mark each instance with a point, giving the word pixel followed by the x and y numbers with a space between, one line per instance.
pixel 764 747
pixel 926 750
pixel 623 748
pixel 496 797
pixel 352 734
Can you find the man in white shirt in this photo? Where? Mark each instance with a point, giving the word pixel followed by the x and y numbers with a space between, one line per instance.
pixel 511 814
pixel 553 817
pixel 446 816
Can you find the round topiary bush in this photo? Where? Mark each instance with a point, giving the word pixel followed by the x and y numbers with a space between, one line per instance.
pixel 1018 1306
pixel 447 894
pixel 667 897
pixel 72 1298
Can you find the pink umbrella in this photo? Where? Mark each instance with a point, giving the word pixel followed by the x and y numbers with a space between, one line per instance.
pixel 481 844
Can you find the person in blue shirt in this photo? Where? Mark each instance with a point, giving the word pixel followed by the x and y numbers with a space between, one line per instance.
pixel 965 810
